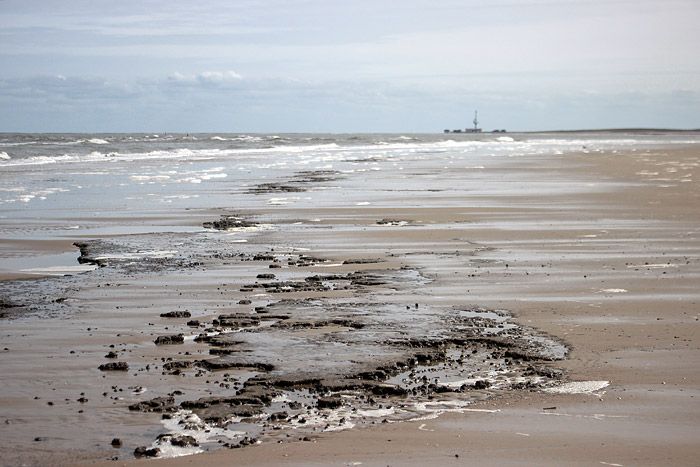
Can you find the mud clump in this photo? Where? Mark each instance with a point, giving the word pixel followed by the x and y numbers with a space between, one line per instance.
pixel 176 314
pixel 178 440
pixel 169 340
pixel 157 404
pixel 177 365
pixel 329 403
pixel 300 182
pixel 236 321
pixel 228 223
pixel 114 366
pixel 145 451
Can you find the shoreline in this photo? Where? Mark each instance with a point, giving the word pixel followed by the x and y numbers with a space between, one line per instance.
pixel 571 265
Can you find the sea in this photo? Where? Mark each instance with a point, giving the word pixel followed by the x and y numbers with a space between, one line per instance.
pixel 59 187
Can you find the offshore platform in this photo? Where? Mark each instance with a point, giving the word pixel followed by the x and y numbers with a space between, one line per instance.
pixel 476 128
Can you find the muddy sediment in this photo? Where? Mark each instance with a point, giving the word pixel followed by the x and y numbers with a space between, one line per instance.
pixel 331 352
pixel 300 182
pixel 307 350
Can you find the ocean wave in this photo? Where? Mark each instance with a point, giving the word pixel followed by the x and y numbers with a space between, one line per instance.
pixel 322 148
pixel 245 138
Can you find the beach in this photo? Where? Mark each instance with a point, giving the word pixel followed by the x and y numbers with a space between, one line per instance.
pixel 511 301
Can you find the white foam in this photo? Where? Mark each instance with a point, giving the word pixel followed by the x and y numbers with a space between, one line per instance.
pixel 187 423
pixel 97 141
pixel 375 413
pixel 149 177
pixel 180 196
pixel 141 254
pixel 653 266
pixel 277 201
pixel 578 387
pixel 215 175
pixel 60 270
pixel 4 156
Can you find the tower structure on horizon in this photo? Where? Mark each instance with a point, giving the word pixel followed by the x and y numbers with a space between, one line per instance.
pixel 476 128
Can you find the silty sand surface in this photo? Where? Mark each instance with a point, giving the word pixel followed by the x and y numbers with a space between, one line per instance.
pixel 610 268
pixel 619 285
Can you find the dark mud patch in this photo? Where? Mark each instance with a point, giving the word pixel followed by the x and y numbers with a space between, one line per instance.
pixel 228 222
pixel 300 182
pixel 395 222
pixel 176 314
pixel 356 363
pixel 114 366
pixel 43 297
pixel 129 255
pixel 9 308
pixel 303 350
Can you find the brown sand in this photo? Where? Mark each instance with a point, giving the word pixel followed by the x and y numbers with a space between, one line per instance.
pixel 614 271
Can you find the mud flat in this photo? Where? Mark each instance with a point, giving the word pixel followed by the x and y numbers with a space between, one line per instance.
pixel 550 320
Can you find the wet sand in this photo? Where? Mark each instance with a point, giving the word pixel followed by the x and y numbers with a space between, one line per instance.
pixel 599 250
pixel 641 233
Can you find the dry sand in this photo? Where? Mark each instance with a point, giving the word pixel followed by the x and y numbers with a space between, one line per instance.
pixel 613 270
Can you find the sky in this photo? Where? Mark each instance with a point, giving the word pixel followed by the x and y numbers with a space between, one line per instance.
pixel 347 66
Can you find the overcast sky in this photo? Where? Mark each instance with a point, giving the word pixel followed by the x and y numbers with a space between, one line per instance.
pixel 347 66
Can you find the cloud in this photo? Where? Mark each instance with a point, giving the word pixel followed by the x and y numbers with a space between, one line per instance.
pixel 48 89
pixel 224 101
pixel 207 77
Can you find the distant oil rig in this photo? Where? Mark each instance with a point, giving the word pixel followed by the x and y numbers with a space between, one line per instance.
pixel 476 128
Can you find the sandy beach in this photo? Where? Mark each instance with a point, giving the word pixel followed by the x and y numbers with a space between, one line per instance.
pixel 620 290
pixel 598 251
